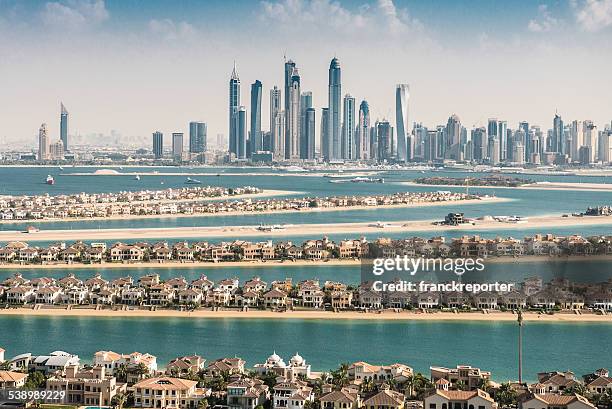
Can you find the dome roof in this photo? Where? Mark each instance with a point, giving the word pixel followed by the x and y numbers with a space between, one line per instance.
pixel 297 359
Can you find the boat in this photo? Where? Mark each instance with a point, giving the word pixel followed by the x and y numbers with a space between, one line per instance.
pixel 191 181
pixel 50 180
pixel 137 177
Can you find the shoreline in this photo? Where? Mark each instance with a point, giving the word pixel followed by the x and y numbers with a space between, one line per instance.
pixel 360 228
pixel 262 212
pixel 386 315
pixel 278 263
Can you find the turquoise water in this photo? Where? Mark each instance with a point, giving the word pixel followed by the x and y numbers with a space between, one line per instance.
pixel 581 347
pixel 525 202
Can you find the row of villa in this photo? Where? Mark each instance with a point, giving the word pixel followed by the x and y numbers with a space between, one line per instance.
pixel 30 210
pixel 319 249
pixel 151 291
pixel 188 380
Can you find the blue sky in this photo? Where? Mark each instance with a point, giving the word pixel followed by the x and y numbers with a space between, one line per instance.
pixel 138 66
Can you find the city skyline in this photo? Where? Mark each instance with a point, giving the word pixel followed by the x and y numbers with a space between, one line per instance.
pixel 154 50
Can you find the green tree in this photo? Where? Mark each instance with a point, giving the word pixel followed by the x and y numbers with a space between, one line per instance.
pixel 35 380
pixel 119 400
pixel 203 404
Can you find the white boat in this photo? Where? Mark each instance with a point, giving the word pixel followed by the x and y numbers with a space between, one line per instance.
pixel 191 181
pixel 50 180
pixel 137 177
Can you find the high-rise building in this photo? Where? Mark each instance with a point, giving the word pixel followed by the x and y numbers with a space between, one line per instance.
pixel 348 128
pixel 305 105
pixel 363 132
pixel 241 133
pixel 289 68
pixel 278 136
pixel 453 138
pixel 384 140
pixel 197 137
pixel 502 131
pixel 308 149
pixel 256 136
pixel 221 142
pixel 524 127
pixel 177 145
pixel 326 142
pixel 43 143
pixel 56 150
pixel 577 138
pixel 404 139
pixel 64 126
pixel 479 143
pixel 158 145
pixel 557 137
pixel 234 104
pixel 334 99
pixel 292 131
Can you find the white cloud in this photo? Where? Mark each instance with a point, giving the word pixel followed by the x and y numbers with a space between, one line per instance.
pixel 74 14
pixel 544 22
pixel 382 17
pixel 170 30
pixel 593 15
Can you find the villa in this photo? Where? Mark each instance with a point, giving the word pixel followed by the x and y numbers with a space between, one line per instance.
pixel 247 393
pixel 86 386
pixel 11 379
pixel 555 401
pixel 167 392
pixel 458 399
pixel 468 375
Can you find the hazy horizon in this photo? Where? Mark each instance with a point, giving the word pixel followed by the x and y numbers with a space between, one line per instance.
pixel 140 66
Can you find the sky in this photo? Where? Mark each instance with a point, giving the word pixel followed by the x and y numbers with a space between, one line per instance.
pixel 137 66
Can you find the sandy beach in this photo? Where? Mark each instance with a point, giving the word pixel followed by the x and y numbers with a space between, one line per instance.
pixel 316 230
pixel 587 187
pixel 244 213
pixel 277 263
pixel 387 315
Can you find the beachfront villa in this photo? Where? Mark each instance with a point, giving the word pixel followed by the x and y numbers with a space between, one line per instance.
pixel 275 365
pixel 86 386
pixel 458 399
pixel 168 392
pixel 555 401
pixel 345 398
pixel 467 375
pixel 385 399
pixel 291 395
pixel 131 363
pixel 362 371
pixel 47 364
pixel 246 393
pixel 185 365
pixel 11 379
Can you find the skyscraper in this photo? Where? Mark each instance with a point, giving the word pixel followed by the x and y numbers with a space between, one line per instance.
pixel 256 135
pixel 479 143
pixel 158 145
pixel 197 137
pixel 453 138
pixel 348 128
pixel 64 126
pixel 241 133
pixel 289 68
pixel 384 138
pixel 292 132
pixel 335 96
pixel 404 139
pixel 234 104
pixel 177 145
pixel 557 140
pixel 502 130
pixel 326 147
pixel 278 136
pixel 363 132
pixel 43 143
pixel 275 105
pixel 308 149
pixel 305 105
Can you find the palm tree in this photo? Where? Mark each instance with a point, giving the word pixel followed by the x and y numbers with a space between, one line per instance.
pixel 121 373
pixel 460 385
pixel 484 384
pixel 5 366
pixel 119 400
pixel 367 385
pixel 505 395
pixel 409 386
pixel 580 389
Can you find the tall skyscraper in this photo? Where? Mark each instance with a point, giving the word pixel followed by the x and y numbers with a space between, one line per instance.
pixel 177 145
pixel 524 127
pixel 502 130
pixel 404 139
pixel 256 136
pixel 289 69
pixel 384 138
pixel 292 132
pixel 305 105
pixel 363 132
pixel 577 138
pixel 326 142
pixel 453 138
pixel 348 128
pixel 479 143
pixel 64 126
pixel 234 104
pixel 275 105
pixel 278 136
pixel 197 137
pixel 335 96
pixel 43 143
pixel 158 145
pixel 308 149
pixel 557 140
pixel 241 133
